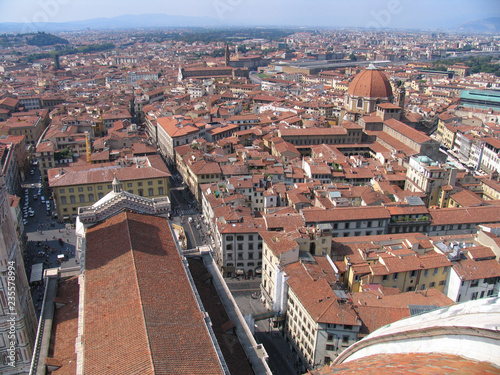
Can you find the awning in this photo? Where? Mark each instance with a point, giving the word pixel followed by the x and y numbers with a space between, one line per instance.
pixel 240 272
pixel 258 270
pixel 36 272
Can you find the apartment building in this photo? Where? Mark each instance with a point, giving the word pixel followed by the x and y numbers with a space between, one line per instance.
pixel 424 175
pixel 475 273
pixel 320 321
pixel 31 127
pixel 239 247
pixel 490 161
pixel 348 221
pixel 450 221
pixel 172 132
pixel 403 261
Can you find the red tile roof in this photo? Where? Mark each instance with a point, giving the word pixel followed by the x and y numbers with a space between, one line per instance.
pixel 141 316
pixel 65 327
pixel 410 363
pixel 318 215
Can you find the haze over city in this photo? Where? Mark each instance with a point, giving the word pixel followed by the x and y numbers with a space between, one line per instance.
pixel 424 14
pixel 235 187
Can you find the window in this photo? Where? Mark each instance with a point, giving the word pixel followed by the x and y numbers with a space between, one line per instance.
pixel 426 273
pixel 330 347
pixel 160 182
pixel 110 187
pixel 99 187
pixel 240 246
pixel 345 339
pixel 442 282
pixel 72 199
pixel 432 284
pixel 63 200
pixel 329 337
pixel 139 183
pixel 71 190
pixel 474 295
pixel 100 195
pixel 81 198
pixel 384 278
pixel 229 246
pixel 422 287
pixel 413 273
pixel 91 197
pixel 395 276
pixel 474 283
pixel 160 191
pixel 150 192
pixel 229 238
pixel 141 192
pixel 129 184
pixel 239 238
pixel 61 191
pixel 327 361
pixel 80 189
pixel 89 188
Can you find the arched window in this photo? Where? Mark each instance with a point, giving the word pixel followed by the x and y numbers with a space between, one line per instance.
pixel 360 103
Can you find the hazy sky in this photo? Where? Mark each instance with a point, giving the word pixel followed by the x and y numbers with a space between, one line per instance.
pixel 385 13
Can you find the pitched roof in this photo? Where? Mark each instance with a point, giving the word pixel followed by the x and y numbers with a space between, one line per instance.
pixel 467 215
pixel 317 215
pixel 139 303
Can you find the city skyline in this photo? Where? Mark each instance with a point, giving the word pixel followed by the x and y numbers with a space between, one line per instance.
pixel 406 14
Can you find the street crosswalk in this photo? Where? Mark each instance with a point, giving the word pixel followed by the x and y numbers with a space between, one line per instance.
pixel 188 211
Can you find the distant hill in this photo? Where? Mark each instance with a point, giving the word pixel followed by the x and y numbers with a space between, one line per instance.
pixel 487 25
pixel 42 39
pixel 119 22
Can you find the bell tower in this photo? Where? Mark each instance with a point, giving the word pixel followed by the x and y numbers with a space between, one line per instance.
pixel 227 55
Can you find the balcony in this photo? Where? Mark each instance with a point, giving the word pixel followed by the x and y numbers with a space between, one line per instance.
pixel 404 220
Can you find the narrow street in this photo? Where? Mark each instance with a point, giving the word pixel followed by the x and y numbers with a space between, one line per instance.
pixel 47 240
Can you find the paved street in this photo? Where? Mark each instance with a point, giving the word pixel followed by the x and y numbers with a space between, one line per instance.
pixel 184 207
pixel 46 237
pixel 276 346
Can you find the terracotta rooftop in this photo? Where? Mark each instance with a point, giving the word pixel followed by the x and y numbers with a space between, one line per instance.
pixel 65 327
pixel 410 363
pixel 139 304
